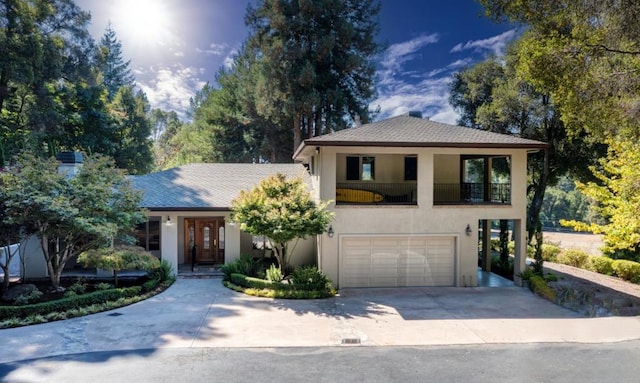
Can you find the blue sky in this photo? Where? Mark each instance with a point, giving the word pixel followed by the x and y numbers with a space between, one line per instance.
pixel 176 46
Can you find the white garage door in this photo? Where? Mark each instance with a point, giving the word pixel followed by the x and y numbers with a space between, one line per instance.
pixel 397 261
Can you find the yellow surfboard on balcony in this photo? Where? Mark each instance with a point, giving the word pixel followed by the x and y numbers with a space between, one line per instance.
pixel 357 196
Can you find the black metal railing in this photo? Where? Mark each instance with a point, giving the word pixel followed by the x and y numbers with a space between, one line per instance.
pixel 471 193
pixel 376 193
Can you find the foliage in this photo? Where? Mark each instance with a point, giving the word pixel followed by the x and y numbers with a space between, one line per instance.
pixel 564 201
pixel 618 199
pixel 116 73
pixel 282 210
pixel 539 286
pixel 245 265
pixel 70 215
pixel 163 272
pixel 274 274
pixel 118 259
pixel 627 270
pixel 573 257
pixel 315 63
pixel 27 298
pixel 65 308
pixel 265 288
pixel 600 264
pixel 502 268
pixel 310 275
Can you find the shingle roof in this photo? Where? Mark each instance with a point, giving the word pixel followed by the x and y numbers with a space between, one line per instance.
pixel 206 186
pixel 407 131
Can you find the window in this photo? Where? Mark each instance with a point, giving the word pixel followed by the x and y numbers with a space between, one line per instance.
pixel 411 168
pixel 360 168
pixel 148 234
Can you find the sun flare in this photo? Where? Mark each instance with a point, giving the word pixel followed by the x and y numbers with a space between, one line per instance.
pixel 143 21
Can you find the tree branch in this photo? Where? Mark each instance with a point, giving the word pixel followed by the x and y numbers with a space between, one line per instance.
pixel 613 50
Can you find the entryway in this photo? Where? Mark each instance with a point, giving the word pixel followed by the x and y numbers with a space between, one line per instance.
pixel 204 241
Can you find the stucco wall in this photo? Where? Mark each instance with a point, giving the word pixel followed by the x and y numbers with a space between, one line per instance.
pixel 425 218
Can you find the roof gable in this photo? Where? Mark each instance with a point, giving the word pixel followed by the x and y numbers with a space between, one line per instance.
pixel 206 186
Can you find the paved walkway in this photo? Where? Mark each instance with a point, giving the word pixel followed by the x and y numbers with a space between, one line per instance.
pixel 200 313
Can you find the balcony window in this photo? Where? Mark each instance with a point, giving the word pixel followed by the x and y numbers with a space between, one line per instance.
pixel 360 168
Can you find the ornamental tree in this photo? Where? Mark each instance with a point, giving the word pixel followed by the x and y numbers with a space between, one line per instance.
pixel 70 215
pixel 282 210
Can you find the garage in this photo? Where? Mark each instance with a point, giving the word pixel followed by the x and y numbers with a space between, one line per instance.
pixel 390 261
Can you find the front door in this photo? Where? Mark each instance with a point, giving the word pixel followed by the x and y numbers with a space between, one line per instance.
pixel 205 240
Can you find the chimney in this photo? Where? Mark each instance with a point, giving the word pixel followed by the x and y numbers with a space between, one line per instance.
pixel 415 113
pixel 69 163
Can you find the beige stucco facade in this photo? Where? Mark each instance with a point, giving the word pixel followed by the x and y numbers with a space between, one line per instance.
pixel 423 218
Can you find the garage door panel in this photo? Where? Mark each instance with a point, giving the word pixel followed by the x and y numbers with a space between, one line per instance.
pixel 397 261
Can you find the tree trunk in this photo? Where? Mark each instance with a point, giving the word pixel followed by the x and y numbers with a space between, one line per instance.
pixel 5 282
pixel 538 197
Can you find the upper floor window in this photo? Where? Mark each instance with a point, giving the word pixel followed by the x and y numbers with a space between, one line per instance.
pixel 360 168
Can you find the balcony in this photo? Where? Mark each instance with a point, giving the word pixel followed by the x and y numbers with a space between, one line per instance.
pixel 374 193
pixel 472 194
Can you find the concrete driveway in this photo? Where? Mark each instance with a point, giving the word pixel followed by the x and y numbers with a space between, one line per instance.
pixel 201 313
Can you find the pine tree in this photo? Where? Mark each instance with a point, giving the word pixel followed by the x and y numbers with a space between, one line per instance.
pixel 116 72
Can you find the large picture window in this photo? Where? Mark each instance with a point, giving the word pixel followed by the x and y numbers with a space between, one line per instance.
pixel 148 234
pixel 360 168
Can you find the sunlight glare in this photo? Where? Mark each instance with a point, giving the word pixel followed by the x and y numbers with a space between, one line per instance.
pixel 143 21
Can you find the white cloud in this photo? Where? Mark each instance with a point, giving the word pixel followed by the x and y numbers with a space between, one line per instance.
pixel 495 44
pixel 214 49
pixel 397 54
pixel 171 88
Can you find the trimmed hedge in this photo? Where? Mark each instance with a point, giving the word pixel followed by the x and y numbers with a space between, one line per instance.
pixel 573 257
pixel 601 264
pixel 69 303
pixel 265 288
pixel 627 270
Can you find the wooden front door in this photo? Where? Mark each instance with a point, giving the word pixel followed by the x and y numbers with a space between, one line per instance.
pixel 205 240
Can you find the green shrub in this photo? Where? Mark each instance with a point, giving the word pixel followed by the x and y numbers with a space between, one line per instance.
pixel 309 275
pixel 540 287
pixel 162 273
pixel 245 264
pixel 102 286
pixel 68 303
pixel 573 257
pixel 274 274
pixel 550 252
pixel 119 258
pixel 600 264
pixel 78 288
pixel 24 299
pixel 627 270
pixel 501 268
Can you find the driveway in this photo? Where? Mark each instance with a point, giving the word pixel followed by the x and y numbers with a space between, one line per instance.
pixel 201 313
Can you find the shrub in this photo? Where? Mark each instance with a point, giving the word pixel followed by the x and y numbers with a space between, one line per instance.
pixel 162 273
pixel 24 299
pixel 550 252
pixel 78 288
pixel 627 270
pixel 573 257
pixel 265 288
pixel 245 264
pixel 309 275
pixel 600 264
pixel 501 268
pixel 540 287
pixel 102 286
pixel 119 258
pixel 274 274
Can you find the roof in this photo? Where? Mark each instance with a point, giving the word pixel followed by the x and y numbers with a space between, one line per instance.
pixel 206 186
pixel 409 131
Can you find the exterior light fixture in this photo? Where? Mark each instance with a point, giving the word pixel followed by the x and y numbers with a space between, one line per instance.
pixel 168 222
pixel 330 232
pixel 468 230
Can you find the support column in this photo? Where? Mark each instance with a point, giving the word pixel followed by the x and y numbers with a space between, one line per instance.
pixel 520 259
pixel 486 245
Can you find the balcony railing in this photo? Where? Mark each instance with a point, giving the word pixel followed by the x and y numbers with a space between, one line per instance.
pixel 472 193
pixel 375 193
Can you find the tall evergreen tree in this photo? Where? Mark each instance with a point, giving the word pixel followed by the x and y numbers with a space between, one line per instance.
pixel 116 72
pixel 316 66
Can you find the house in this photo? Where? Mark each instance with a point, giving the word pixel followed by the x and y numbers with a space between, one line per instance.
pixel 412 200
pixel 410 195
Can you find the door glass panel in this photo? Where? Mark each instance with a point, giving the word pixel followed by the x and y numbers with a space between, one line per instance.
pixel 206 237
pixel 221 237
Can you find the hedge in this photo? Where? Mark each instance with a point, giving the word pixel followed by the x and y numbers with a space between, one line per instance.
pixel 540 287
pixel 627 270
pixel 257 283
pixel 70 303
pixel 265 288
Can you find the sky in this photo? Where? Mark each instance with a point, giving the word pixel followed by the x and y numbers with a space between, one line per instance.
pixel 177 46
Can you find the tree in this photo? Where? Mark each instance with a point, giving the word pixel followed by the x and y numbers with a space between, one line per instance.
pixel 314 62
pixel 10 234
pixel 282 210
pixel 44 46
pixel 118 259
pixel 70 215
pixel 116 72
pixel 131 123
pixel 617 196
